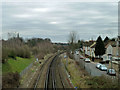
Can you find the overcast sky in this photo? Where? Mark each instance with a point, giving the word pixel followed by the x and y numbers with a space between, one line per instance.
pixel 55 20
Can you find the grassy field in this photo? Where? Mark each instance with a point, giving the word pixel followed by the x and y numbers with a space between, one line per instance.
pixel 16 65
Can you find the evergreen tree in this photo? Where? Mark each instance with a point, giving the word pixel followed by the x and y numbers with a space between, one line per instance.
pixel 99 48
pixel 106 39
pixel 113 39
pixel 80 44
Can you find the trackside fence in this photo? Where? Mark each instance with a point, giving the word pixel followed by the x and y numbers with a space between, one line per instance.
pixel 25 70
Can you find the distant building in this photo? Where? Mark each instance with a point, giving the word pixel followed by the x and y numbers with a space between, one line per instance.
pixel 86 47
pixel 112 49
pixel 92 49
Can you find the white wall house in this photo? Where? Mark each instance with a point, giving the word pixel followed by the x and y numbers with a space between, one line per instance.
pixel 108 53
pixel 87 50
pixel 111 50
pixel 92 49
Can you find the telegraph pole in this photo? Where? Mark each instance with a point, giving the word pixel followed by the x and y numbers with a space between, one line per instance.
pixel 118 43
pixel 118 60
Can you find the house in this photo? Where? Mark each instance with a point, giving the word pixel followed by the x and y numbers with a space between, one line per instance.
pixel 112 50
pixel 115 55
pixel 92 49
pixel 86 47
pixel 108 52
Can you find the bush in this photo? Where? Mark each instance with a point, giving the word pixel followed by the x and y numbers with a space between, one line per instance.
pixel 4 54
pixel 20 52
pixel 23 52
pixel 15 47
pixel 41 55
pixel 70 55
pixel 27 53
pixel 10 80
pixel 101 82
pixel 42 48
pixel 12 53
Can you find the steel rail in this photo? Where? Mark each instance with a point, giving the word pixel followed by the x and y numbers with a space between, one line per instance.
pixel 61 80
pixel 41 69
pixel 51 71
pixel 48 74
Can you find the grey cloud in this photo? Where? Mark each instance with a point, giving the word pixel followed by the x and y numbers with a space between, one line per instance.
pixel 81 17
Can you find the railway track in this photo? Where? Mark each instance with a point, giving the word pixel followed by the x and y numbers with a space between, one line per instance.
pixel 51 78
pixel 52 75
pixel 61 80
pixel 39 76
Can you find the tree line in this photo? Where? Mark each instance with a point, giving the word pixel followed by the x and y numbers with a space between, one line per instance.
pixel 18 47
pixel 14 47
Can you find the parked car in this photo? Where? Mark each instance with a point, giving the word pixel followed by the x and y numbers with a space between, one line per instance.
pixel 87 60
pixel 98 65
pixel 81 57
pixel 103 67
pixel 111 72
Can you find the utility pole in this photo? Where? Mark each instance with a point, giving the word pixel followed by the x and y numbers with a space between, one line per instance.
pixel 111 61
pixel 110 57
pixel 66 61
pixel 117 40
pixel 118 43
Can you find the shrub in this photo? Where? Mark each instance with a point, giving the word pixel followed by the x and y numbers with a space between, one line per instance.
pixel 10 80
pixel 12 53
pixel 41 55
pixel 4 54
pixel 70 55
pixel 101 82
pixel 42 48
pixel 27 52
pixel 23 52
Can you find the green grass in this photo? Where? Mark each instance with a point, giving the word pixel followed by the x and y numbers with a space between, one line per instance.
pixel 16 65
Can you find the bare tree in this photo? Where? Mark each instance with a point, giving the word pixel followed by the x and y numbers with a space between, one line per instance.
pixel 72 40
pixel 72 37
